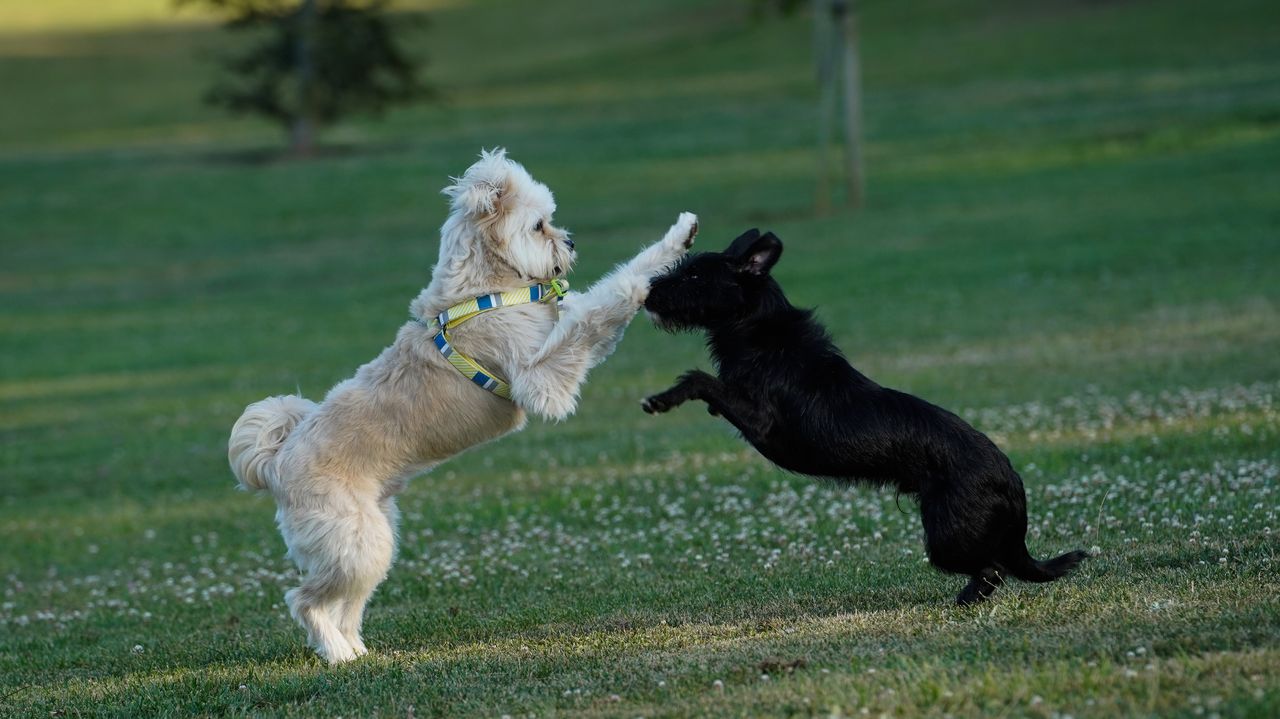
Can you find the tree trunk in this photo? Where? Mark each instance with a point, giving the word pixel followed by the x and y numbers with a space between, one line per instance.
pixel 847 18
pixel 302 136
pixel 839 73
pixel 302 130
pixel 822 56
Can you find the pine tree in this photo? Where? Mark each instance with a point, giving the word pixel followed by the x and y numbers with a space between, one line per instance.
pixel 312 62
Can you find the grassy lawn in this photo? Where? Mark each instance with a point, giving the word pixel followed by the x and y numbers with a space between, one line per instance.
pixel 1072 238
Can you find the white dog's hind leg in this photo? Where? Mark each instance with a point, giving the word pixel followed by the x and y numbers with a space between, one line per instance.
pixel 344 546
pixel 312 605
pixel 377 549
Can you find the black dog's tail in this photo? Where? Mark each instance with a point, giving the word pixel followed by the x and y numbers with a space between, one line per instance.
pixel 1022 565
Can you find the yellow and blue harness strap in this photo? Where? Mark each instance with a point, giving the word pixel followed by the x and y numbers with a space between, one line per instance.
pixel 472 369
pixel 464 311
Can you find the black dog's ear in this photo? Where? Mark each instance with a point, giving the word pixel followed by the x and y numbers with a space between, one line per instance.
pixel 739 246
pixel 761 255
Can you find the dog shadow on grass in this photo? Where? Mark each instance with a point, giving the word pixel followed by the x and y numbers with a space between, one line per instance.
pixel 765 612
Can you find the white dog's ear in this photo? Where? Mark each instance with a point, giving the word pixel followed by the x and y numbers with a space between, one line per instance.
pixel 478 193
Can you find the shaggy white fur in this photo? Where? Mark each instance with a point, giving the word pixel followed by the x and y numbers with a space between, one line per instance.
pixel 335 468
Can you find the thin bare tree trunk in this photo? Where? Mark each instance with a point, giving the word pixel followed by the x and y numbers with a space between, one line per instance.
pixel 839 72
pixel 302 132
pixel 825 66
pixel 847 20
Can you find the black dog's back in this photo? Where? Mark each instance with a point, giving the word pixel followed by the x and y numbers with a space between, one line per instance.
pixel 825 418
pixel 791 393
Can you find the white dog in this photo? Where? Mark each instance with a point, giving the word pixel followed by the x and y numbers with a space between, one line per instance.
pixel 335 468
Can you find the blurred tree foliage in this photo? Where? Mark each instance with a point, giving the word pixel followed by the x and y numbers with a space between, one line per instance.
pixel 786 7
pixel 312 62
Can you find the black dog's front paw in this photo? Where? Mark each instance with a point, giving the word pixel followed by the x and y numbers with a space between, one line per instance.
pixel 659 403
pixel 688 387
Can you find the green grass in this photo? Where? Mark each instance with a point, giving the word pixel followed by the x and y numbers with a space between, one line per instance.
pixel 1072 238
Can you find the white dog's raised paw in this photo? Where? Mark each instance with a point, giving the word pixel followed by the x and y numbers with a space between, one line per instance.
pixel 683 231
pixel 665 253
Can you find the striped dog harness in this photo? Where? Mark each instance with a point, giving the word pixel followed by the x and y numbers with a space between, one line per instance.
pixel 474 307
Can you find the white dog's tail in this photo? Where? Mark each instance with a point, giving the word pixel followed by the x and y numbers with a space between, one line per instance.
pixel 258 434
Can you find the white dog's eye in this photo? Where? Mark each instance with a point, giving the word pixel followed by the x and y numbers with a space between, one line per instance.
pixel 538 227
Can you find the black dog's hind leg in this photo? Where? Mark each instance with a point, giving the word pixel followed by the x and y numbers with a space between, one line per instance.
pixel 981 585
pixel 721 401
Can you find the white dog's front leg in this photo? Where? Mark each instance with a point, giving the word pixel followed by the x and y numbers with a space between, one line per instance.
pixel 549 385
pixel 596 318
pixel 592 323
pixel 550 388
pixel 655 259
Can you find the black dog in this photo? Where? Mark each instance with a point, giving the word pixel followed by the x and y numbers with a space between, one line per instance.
pixel 795 398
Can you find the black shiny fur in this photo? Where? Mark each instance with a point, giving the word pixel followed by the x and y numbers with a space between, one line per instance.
pixel 794 397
